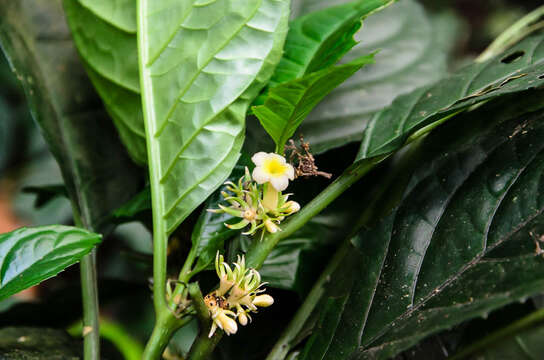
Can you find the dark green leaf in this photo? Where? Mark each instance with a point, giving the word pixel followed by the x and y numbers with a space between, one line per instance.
pixel 105 35
pixel 458 246
pixel 29 256
pixel 201 66
pixel 45 193
pixel 210 232
pixel 98 174
pixel 413 52
pixel 139 204
pixel 288 104
pixel 519 69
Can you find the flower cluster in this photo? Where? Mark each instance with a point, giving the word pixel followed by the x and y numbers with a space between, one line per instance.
pixel 240 289
pixel 257 198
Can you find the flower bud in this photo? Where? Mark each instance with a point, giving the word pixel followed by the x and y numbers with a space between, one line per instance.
pixel 226 323
pixel 271 227
pixel 242 318
pixel 263 300
pixel 292 206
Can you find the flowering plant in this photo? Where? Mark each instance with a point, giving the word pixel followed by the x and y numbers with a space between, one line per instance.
pixel 268 170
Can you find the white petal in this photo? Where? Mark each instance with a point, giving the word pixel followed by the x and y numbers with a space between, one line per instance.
pixel 279 182
pixel 290 172
pixel 277 157
pixel 259 158
pixel 260 176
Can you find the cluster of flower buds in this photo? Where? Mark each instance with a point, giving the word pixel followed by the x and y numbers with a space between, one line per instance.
pixel 240 289
pixel 258 200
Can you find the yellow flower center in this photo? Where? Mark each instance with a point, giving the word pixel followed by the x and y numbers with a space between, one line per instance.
pixel 274 167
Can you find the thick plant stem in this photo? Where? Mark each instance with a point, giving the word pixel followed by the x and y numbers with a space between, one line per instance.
pixel 165 322
pixel 91 335
pixel 284 343
pixel 165 326
pixel 259 250
pixel 203 346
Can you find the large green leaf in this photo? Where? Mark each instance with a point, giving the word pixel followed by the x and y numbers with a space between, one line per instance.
pixel 202 63
pixel 105 36
pixel 518 69
pixel 98 174
pixel 317 40
pixel 30 255
pixel 458 246
pixel 288 104
pixel 413 52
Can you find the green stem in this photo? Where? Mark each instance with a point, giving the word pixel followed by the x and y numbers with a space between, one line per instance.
pixel 165 323
pixel 515 327
pixel 89 297
pixel 203 346
pixel 521 28
pixel 285 342
pixel 165 326
pixel 259 250
pixel 129 347
pixel 91 335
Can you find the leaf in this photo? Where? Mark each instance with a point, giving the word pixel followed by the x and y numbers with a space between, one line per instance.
pixel 210 233
pixel 139 204
pixel 526 344
pixel 519 69
pixel 105 35
pixel 318 40
pixel 457 247
pixel 29 256
pixel 288 104
pixel 98 174
pixel 413 52
pixel 46 193
pixel 198 80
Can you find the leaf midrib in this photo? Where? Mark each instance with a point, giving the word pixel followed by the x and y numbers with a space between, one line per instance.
pixel 471 263
pixel 200 69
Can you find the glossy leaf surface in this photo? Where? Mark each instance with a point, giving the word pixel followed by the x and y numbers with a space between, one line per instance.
pixel 288 104
pixel 98 174
pixel 518 69
pixel 105 35
pixel 413 51
pixel 202 63
pixel 318 40
pixel 30 255
pixel 457 247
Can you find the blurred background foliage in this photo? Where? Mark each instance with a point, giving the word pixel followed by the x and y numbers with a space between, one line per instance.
pixel 125 257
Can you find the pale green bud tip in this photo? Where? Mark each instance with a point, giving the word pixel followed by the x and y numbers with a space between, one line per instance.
pixel 271 227
pixel 292 206
pixel 263 300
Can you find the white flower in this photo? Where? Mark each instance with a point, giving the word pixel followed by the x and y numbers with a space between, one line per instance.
pixel 272 168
